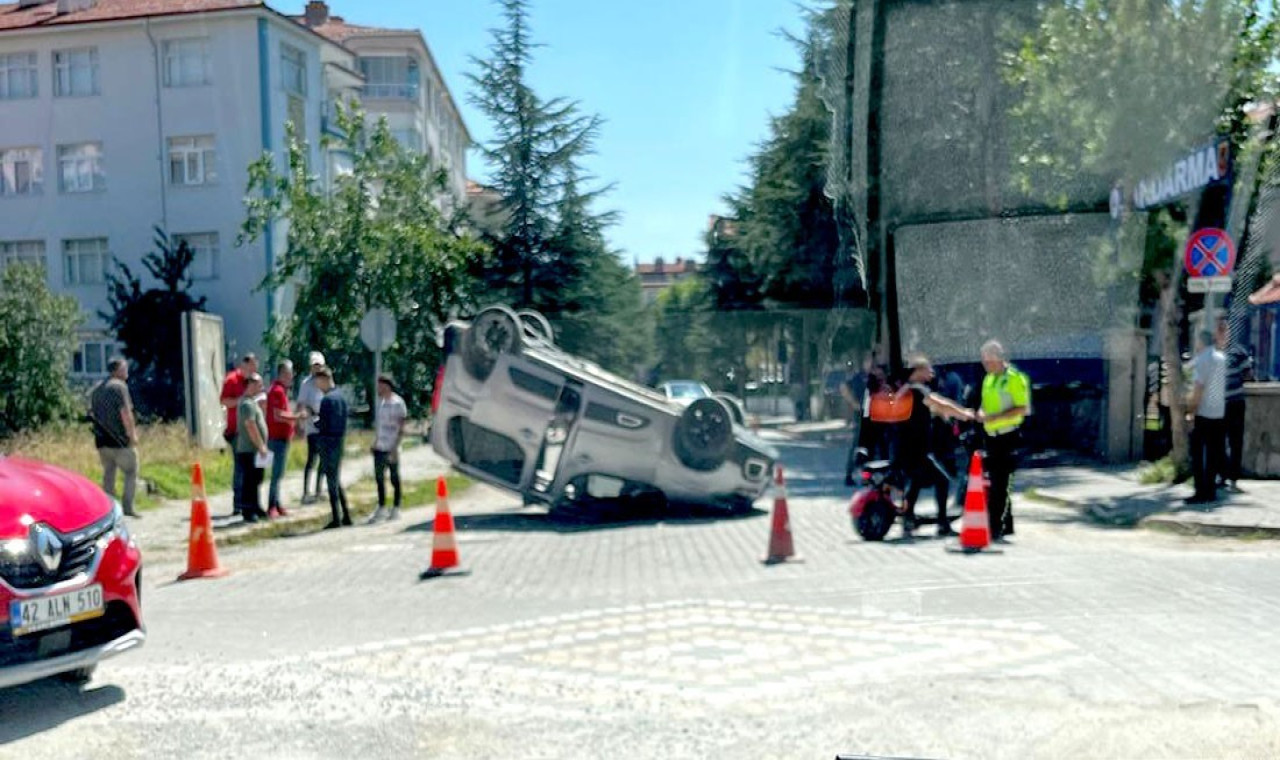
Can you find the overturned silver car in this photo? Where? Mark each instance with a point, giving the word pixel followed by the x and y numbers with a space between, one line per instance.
pixel 515 411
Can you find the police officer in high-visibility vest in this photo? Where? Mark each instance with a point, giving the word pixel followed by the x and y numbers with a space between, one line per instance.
pixel 1006 402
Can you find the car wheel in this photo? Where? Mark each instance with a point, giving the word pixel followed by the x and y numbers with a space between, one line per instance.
pixel 739 417
pixel 704 435
pixel 495 331
pixel 78 677
pixel 875 521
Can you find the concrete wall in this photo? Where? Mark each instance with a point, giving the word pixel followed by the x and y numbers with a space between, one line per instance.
pixel 1262 430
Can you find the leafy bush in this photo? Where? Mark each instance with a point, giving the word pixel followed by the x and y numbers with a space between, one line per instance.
pixel 37 338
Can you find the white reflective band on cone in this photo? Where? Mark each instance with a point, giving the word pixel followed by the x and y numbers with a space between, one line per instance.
pixel 977 483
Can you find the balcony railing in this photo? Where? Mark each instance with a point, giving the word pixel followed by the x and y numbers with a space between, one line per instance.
pixel 398 91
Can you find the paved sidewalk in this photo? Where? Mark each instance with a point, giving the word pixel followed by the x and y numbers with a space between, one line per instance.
pixel 165 529
pixel 1114 496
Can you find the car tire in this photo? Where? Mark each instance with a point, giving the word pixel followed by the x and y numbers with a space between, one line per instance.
pixel 495 331
pixel 704 435
pixel 79 676
pixel 876 520
pixel 735 409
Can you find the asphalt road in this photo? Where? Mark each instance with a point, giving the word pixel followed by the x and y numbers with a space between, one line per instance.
pixel 668 638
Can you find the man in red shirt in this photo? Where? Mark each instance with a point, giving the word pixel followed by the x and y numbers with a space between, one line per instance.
pixel 280 422
pixel 232 391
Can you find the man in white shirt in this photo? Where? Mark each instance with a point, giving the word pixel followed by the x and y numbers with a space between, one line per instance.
pixel 389 420
pixel 309 398
pixel 1209 407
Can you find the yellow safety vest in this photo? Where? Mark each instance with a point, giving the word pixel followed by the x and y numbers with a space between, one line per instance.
pixel 1002 392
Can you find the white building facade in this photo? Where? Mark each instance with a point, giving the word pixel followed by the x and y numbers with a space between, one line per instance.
pixel 403 84
pixel 116 120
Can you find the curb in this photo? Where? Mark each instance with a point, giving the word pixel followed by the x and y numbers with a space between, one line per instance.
pixel 1185 528
pixel 1164 523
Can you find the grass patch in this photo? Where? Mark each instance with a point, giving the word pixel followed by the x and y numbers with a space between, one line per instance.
pixel 1157 473
pixel 165 454
pixel 362 498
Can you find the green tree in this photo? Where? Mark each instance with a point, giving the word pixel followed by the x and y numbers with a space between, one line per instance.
pixel 551 253
pixel 37 338
pixel 684 339
pixel 533 158
pixel 149 325
pixel 786 222
pixel 593 300
pixel 375 238
pixel 781 250
pixel 1113 90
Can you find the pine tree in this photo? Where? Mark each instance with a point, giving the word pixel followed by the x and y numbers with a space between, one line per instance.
pixel 533 154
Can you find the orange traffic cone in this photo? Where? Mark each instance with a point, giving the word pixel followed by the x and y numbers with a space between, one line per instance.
pixel 444 545
pixel 202 553
pixel 975 530
pixel 781 548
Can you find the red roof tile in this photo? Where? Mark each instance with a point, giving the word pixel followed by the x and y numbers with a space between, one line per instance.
pixel 679 266
pixel 13 18
pixel 340 31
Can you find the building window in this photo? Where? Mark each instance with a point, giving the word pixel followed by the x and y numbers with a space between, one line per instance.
pixel 390 77
pixel 298 116
pixel 84 262
pixel 75 72
pixel 19 76
pixel 90 359
pixel 293 69
pixel 21 252
pixel 204 247
pixel 187 63
pixel 80 168
pixel 192 160
pixel 409 139
pixel 21 171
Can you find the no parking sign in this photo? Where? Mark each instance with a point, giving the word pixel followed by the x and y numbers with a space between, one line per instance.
pixel 1210 253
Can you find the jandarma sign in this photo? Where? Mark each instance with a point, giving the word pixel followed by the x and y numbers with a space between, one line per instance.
pixel 1207 165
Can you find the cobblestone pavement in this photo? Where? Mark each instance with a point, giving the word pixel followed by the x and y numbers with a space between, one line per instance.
pixel 668 638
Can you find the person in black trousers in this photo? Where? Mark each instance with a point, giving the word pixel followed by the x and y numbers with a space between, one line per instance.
pixel 916 456
pixel 1239 372
pixel 332 426
pixel 250 443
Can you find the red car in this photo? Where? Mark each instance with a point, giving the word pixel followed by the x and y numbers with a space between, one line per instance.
pixel 70 575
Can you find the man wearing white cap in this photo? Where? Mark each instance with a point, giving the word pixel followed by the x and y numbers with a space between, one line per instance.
pixel 309 397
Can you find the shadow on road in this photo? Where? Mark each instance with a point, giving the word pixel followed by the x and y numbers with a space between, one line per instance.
pixel 34 708
pixel 584 520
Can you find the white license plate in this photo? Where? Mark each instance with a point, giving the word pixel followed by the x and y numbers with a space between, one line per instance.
pixel 45 612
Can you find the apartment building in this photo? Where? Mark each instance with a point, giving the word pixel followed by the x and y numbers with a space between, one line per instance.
pixel 118 116
pixel 403 84
pixel 661 274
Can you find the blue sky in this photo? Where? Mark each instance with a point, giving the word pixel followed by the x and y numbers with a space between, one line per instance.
pixel 685 87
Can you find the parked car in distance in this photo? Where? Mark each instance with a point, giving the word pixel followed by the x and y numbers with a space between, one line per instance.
pixel 514 410
pixel 685 392
pixel 70 575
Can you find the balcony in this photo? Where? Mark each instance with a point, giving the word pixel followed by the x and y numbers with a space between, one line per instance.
pixel 390 91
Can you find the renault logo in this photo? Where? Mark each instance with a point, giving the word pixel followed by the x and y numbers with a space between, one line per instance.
pixel 48 547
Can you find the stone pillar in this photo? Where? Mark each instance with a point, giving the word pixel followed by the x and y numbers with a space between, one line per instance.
pixel 1125 361
pixel 1262 430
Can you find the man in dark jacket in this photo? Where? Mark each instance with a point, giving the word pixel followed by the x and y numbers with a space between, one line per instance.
pixel 332 427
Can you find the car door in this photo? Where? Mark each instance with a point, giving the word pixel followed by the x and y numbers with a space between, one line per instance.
pixel 518 403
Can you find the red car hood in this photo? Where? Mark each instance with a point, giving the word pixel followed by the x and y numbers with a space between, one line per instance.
pixel 33 491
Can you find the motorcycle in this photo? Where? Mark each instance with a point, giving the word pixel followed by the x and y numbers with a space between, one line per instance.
pixel 880 501
pixel 874 508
